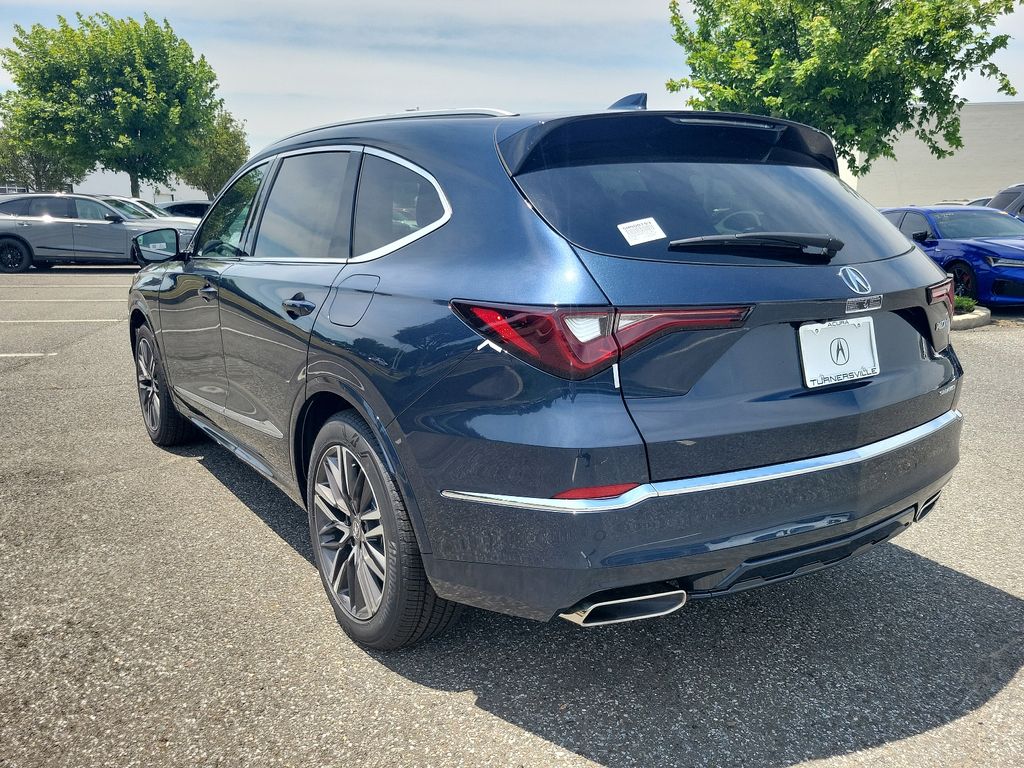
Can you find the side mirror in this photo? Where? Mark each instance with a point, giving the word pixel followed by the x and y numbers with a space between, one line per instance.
pixel 155 247
pixel 920 237
pixel 114 218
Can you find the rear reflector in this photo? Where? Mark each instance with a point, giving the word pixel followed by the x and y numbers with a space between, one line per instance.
pixel 578 343
pixel 942 292
pixel 596 491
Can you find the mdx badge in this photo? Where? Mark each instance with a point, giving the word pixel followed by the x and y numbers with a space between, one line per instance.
pixel 855 280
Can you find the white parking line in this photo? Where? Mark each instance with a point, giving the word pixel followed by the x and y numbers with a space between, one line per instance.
pixel 58 301
pixel 98 320
pixel 27 354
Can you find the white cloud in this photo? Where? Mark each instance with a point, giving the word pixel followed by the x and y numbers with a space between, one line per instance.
pixel 288 66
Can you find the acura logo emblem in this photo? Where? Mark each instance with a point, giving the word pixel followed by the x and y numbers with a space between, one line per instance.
pixel 840 351
pixel 854 280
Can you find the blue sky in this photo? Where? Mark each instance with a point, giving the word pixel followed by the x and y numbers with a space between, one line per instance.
pixel 285 66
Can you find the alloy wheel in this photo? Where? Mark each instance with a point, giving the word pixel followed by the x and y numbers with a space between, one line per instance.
pixel 350 535
pixel 963 281
pixel 149 389
pixel 11 257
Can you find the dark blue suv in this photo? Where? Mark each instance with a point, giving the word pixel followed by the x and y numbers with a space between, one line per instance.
pixel 577 365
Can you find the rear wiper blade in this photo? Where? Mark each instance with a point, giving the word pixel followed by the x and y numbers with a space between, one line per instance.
pixel 823 247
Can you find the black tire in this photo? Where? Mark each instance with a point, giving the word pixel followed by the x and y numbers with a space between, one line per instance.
pixel 14 256
pixel 407 609
pixel 965 281
pixel 165 425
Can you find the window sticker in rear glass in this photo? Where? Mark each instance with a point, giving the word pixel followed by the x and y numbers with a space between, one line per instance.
pixel 641 231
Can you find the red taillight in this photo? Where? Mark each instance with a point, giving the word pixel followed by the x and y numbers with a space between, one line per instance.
pixel 596 491
pixel 942 292
pixel 578 343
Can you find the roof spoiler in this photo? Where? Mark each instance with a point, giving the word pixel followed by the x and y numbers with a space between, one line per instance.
pixel 633 101
pixel 572 140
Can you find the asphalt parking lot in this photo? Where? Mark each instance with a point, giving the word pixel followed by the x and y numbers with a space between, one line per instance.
pixel 161 608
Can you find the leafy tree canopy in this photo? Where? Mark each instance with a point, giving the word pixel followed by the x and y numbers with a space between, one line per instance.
pixel 221 150
pixel 864 71
pixel 126 94
pixel 35 165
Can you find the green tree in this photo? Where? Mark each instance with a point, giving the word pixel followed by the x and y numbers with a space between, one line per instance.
pixel 35 164
pixel 864 71
pixel 220 151
pixel 128 95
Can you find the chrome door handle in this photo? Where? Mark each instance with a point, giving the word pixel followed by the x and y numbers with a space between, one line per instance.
pixel 24 224
pixel 81 225
pixel 297 306
pixel 208 292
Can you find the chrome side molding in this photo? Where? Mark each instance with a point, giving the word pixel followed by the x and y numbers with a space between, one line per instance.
pixel 714 482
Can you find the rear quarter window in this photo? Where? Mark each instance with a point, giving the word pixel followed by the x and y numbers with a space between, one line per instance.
pixel 393 203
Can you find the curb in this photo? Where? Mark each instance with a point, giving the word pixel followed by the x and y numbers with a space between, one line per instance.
pixel 979 317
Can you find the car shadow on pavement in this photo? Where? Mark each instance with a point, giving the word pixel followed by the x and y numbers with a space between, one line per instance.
pixel 882 648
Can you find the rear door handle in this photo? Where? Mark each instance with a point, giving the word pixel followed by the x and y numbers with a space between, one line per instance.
pixel 297 306
pixel 81 225
pixel 208 292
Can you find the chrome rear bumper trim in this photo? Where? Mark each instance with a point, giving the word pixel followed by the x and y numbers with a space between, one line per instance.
pixel 714 482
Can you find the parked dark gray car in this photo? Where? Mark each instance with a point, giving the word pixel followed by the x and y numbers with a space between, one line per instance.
pixel 1010 200
pixel 196 208
pixel 42 230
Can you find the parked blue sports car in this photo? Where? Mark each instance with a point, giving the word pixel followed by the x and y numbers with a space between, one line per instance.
pixel 981 247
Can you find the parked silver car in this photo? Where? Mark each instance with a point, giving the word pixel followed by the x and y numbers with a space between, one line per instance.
pixel 45 229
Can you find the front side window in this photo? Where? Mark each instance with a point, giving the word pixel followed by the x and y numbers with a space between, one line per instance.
pixel 913 223
pixel 306 215
pixel 89 209
pixel 56 207
pixel 392 202
pixel 221 233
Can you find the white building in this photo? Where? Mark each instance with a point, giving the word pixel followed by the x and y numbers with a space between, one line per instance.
pixel 109 183
pixel 992 158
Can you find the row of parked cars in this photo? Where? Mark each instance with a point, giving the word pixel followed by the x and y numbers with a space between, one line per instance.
pixel 42 230
pixel 981 244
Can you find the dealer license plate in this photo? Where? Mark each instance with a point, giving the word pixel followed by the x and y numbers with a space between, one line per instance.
pixel 838 351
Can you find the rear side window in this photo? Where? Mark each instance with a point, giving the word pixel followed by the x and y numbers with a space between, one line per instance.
pixel 629 186
pixel 57 207
pixel 894 217
pixel 1005 197
pixel 307 215
pixel 392 203
pixel 14 207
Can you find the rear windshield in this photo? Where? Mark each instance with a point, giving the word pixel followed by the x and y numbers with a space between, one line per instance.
pixel 635 208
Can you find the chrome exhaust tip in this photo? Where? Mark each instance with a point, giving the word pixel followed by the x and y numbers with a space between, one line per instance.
pixel 616 610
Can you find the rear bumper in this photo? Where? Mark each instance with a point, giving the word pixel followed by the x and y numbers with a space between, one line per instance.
pixel 709 535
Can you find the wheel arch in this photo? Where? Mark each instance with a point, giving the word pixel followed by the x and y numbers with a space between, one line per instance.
pixel 326 401
pixel 19 239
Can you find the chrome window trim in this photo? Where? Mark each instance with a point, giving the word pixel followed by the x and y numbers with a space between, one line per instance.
pixel 384 250
pixel 718 481
pixel 393 246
